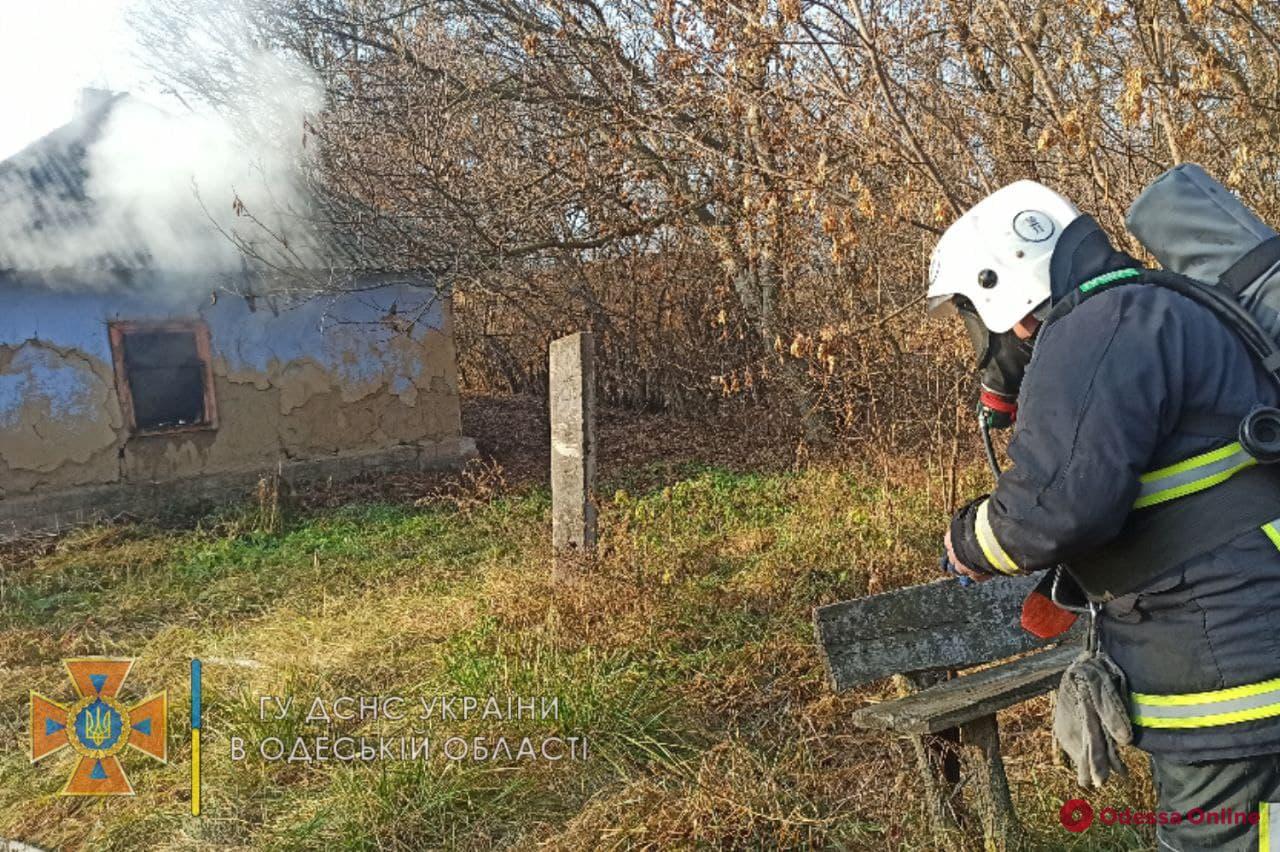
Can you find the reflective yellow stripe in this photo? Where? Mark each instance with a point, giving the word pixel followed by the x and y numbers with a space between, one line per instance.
pixel 1210 721
pixel 1207 709
pixel 1208 697
pixel 990 546
pixel 1191 463
pixel 1272 532
pixel 1195 474
pixel 1268 840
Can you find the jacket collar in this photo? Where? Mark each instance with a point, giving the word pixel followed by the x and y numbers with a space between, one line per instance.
pixel 1083 252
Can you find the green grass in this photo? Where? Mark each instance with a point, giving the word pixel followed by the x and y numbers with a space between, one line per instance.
pixel 684 656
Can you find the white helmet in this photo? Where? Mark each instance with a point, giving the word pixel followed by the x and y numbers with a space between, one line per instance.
pixel 997 254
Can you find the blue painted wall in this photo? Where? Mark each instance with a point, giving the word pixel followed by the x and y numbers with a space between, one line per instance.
pixel 249 338
pixel 380 337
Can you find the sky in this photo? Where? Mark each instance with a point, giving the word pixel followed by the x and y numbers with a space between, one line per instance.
pixel 49 51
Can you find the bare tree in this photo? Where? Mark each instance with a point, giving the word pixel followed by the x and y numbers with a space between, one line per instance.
pixel 794 158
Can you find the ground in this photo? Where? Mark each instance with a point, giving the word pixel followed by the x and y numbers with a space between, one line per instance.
pixel 684 656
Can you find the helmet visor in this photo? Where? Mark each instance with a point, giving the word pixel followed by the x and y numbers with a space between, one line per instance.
pixel 940 305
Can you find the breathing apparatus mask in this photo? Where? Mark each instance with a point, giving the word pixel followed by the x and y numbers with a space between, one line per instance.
pixel 1002 362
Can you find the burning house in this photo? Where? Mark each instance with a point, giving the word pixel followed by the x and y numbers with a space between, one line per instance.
pixel 147 359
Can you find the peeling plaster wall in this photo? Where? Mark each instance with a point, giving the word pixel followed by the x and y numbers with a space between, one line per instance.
pixel 331 376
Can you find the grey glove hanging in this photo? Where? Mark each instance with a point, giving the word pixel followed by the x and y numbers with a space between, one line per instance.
pixel 1091 716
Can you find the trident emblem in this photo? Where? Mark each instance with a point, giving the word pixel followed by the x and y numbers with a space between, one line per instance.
pixel 97 727
pixel 98 724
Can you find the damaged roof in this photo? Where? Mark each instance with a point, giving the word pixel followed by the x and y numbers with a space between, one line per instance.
pixel 46 201
pixel 49 176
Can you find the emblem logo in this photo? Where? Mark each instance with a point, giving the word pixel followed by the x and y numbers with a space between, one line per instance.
pixel 1033 226
pixel 98 726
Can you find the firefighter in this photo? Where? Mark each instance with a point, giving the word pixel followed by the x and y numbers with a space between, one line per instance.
pixel 1127 472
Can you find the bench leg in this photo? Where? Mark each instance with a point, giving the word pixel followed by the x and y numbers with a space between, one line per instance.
pixel 981 740
pixel 936 756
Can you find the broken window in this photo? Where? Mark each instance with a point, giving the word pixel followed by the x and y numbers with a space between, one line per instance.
pixel 162 374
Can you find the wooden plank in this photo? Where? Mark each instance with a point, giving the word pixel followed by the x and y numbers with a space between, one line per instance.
pixel 936 625
pixel 969 697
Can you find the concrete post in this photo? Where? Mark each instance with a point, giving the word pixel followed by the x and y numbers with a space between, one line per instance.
pixel 573 444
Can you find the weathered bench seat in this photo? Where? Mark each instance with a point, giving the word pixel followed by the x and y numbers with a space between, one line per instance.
pixel 960 700
pixel 926 634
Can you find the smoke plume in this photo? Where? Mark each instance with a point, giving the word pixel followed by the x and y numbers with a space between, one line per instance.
pixel 202 184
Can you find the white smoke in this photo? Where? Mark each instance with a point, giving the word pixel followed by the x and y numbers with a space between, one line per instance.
pixel 193 186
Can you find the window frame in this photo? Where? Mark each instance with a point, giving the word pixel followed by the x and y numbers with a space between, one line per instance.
pixel 199 330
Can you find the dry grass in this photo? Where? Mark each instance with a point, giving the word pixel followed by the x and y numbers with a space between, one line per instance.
pixel 684 653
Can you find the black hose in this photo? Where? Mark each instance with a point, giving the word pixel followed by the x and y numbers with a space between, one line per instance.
pixel 985 428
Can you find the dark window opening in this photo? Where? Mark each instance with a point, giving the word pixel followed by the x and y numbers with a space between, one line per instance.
pixel 163 374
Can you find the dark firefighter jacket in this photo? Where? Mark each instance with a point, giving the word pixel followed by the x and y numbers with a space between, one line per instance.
pixel 1113 391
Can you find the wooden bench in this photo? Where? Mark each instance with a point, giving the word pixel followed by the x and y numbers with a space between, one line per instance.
pixel 926 633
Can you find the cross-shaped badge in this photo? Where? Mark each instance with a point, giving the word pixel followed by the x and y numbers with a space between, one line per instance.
pixel 97 727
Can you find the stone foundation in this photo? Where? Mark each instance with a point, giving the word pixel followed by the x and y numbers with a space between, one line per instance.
pixel 70 507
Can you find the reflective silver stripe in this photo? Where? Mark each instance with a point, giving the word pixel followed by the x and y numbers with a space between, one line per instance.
pixel 1187 711
pixel 1191 476
pixel 1268 838
pixel 1207 709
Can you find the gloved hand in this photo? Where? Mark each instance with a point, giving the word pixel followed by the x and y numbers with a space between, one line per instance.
pixel 948 567
pixel 1091 717
pixel 952 564
pixel 962 546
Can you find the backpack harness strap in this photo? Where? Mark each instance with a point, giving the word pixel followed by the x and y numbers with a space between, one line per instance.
pixel 1251 267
